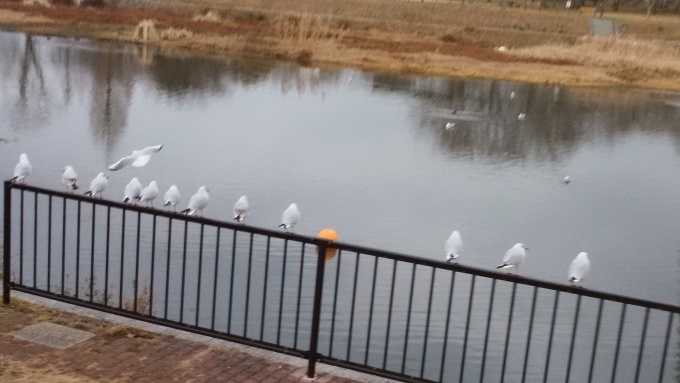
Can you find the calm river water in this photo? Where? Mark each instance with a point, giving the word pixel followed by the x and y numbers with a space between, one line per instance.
pixel 368 154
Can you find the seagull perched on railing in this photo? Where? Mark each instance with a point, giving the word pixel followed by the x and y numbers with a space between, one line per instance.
pixel 514 257
pixel 172 197
pixel 291 217
pixel 198 202
pixel 241 208
pixel 454 246
pixel 137 158
pixel 22 170
pixel 579 268
pixel 132 191
pixel 69 178
pixel 149 193
pixel 98 185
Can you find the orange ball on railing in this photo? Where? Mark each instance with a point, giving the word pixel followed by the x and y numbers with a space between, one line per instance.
pixel 330 235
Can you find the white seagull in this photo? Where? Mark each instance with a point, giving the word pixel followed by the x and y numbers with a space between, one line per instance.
pixel 567 179
pixel 453 247
pixel 291 217
pixel 69 178
pixel 241 208
pixel 450 125
pixel 172 197
pixel 137 158
pixel 22 170
pixel 132 191
pixel 149 193
pixel 198 202
pixel 522 116
pixel 514 257
pixel 98 185
pixel 579 268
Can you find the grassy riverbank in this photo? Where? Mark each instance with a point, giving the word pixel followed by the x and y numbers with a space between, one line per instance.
pixel 449 39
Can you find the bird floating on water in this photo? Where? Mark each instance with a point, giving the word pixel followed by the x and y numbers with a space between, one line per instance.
pixel 137 158
pixel 579 268
pixel 453 247
pixel 198 202
pixel 22 170
pixel 450 125
pixel 512 95
pixel 241 208
pixel 290 218
pixel 514 257
pixel 521 116
pixel 172 197
pixel 149 193
pixel 98 185
pixel 567 179
pixel 69 178
pixel 132 191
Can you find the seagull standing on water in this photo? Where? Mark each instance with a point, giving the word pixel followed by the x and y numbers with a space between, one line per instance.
pixel 241 208
pixel 69 178
pixel 291 217
pixel 22 170
pixel 453 247
pixel 132 191
pixel 514 257
pixel 198 202
pixel 579 268
pixel 98 185
pixel 149 193
pixel 172 197
pixel 137 158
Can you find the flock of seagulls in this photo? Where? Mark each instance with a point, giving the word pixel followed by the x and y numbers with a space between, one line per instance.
pixel 135 192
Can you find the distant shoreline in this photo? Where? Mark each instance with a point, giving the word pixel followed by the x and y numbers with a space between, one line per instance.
pixel 536 54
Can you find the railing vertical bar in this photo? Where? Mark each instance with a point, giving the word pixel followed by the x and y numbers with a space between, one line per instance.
pixel 215 275
pixel 106 256
pixel 467 328
pixel 665 346
pixel 122 261
pixel 351 313
pixel 642 345
pixel 167 271
pixel 136 280
pixel 49 244
pixel 92 247
pixel 316 311
pixel 529 332
pixel 446 329
pixel 297 310
pixel 231 281
pixel 21 239
pixel 595 339
pixel 78 251
pixel 550 338
pixel 408 318
pixel 618 342
pixel 184 272
pixel 250 263
pixel 35 239
pixel 264 291
pixel 283 284
pixel 63 246
pixel 488 329
pixel 370 310
pixel 427 323
pixel 573 337
pixel 200 273
pixel 6 239
pixel 335 303
pixel 153 264
pixel 389 314
pixel 507 334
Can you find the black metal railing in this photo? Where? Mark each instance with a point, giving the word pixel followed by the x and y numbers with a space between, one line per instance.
pixel 387 314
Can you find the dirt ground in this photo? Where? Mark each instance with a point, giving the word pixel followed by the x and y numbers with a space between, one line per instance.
pixel 451 39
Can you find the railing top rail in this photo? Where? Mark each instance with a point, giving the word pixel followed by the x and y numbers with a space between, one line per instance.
pixel 360 250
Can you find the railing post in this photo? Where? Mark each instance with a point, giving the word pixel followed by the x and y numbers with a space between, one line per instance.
pixel 316 313
pixel 6 242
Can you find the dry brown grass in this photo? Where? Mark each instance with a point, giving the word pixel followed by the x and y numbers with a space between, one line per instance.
pixel 614 53
pixel 32 371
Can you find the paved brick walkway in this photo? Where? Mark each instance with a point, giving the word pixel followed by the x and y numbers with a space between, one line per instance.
pixel 119 353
